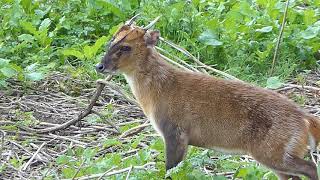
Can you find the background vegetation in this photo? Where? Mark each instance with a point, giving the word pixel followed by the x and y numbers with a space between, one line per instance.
pixel 238 37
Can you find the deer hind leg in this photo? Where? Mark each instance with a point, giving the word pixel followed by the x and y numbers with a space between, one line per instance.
pixel 287 165
pixel 283 176
pixel 291 167
pixel 300 166
pixel 287 159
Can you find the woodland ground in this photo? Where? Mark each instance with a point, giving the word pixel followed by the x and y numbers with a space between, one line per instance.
pixel 115 138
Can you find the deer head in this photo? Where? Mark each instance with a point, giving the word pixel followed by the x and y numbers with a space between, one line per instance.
pixel 128 46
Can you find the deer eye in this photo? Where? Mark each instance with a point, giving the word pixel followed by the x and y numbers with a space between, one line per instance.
pixel 125 48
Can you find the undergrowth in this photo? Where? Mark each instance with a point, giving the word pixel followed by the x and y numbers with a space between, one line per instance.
pixel 238 37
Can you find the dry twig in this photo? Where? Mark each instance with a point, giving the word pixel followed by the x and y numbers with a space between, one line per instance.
pixel 185 52
pixel 279 37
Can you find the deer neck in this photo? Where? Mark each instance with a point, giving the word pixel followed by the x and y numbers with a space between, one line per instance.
pixel 149 81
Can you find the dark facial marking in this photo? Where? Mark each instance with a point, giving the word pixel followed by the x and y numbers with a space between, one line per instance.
pixel 125 48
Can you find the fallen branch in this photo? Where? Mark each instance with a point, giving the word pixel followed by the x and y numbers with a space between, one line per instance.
pixel 303 87
pixel 135 130
pixel 82 115
pixel 34 156
pixel 119 90
pixel 127 177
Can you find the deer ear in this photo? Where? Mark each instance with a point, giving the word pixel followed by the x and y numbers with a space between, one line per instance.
pixel 151 37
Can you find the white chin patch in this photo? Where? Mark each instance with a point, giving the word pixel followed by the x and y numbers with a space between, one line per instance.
pixel 108 71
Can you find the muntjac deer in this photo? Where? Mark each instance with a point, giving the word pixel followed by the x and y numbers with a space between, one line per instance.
pixel 189 108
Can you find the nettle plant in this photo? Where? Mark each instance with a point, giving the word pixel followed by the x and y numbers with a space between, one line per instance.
pixel 236 36
pixel 240 36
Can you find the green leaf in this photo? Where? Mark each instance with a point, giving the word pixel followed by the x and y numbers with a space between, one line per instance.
pixel 8 71
pixel 274 83
pixel 89 153
pixel 29 27
pixel 3 84
pixel 88 52
pixel 265 29
pixel 209 38
pixel 157 144
pixel 26 4
pixel 26 37
pixel 68 172
pixel 31 67
pixel 63 159
pixel 242 173
pixel 108 6
pixel 111 142
pixel 91 51
pixel 310 32
pixel 309 16
pixel 73 52
pixel 4 62
pixel 34 76
pixel 137 141
pixel 45 24
pixel 99 43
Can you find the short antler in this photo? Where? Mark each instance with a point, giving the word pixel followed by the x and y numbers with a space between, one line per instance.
pixel 152 23
pixel 130 21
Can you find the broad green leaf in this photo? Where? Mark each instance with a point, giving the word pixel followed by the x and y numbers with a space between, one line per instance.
pixel 108 6
pixel 111 142
pixel 99 43
pixel 242 173
pixel 157 144
pixel 88 153
pixel 116 159
pixel 73 52
pixel 3 84
pixel 29 27
pixel 26 37
pixel 4 62
pixel 209 38
pixel 246 10
pixel 310 32
pixel 8 71
pixel 309 16
pixel 31 67
pixel 265 29
pixel 274 83
pixel 26 4
pixel 34 76
pixel 88 52
pixel 68 172
pixel 136 142
pixel 45 24
pixel 63 159
pixel 213 24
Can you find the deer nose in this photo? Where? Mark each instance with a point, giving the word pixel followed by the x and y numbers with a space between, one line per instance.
pixel 99 67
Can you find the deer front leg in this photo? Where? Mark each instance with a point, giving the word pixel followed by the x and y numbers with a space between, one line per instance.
pixel 176 142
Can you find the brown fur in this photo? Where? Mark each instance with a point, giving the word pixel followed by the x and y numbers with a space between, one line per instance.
pixel 190 108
